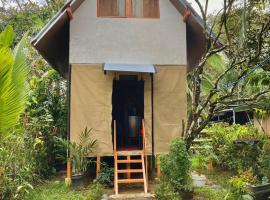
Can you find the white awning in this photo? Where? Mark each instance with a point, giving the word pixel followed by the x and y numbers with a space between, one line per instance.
pixel 130 68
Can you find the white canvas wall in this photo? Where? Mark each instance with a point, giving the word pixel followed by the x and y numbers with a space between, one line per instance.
pixel 127 41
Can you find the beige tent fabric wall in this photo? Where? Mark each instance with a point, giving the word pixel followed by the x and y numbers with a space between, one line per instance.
pixel 170 105
pixel 148 112
pixel 263 124
pixel 91 93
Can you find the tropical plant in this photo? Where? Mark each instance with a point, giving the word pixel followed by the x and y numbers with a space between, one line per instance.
pixel 176 167
pixel 264 161
pixel 13 80
pixel 232 156
pixel 238 185
pixel 106 175
pixel 78 152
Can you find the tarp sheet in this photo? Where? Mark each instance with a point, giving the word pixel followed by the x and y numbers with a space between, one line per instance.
pixel 170 105
pixel 91 99
pixel 91 105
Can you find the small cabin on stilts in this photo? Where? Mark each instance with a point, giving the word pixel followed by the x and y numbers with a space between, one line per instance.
pixel 126 63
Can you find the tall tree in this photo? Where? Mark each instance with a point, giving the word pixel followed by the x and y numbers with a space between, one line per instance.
pixel 239 34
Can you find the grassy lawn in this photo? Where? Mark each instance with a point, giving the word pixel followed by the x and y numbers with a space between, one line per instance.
pixel 217 185
pixel 207 193
pixel 59 191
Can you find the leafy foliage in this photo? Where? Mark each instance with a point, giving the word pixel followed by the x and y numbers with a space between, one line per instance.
pixel 95 192
pixel 236 157
pixel 55 190
pixel 264 160
pixel 234 67
pixel 106 175
pixel 238 185
pixel 166 191
pixel 13 80
pixel 175 170
pixel 79 151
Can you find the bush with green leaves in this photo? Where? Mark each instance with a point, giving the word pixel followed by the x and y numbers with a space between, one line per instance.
pixel 203 156
pixel 237 157
pixel 264 161
pixel 238 185
pixel 166 191
pixel 106 175
pixel 176 169
pixel 79 151
pixel 95 192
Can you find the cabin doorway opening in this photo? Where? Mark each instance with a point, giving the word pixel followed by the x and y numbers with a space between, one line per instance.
pixel 128 111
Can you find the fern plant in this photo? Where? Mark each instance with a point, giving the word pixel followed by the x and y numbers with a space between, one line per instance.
pixel 79 151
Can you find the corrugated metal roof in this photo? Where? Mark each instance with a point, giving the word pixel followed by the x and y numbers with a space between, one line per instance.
pixel 130 68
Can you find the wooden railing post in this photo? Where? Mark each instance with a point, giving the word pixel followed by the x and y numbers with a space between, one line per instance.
pixel 115 159
pixel 145 150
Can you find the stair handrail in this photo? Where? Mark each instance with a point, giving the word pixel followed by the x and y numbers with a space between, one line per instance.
pixel 144 137
pixel 145 151
pixel 114 137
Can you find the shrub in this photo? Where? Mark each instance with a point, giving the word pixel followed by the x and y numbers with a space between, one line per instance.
pixel 106 175
pixel 238 185
pixel 175 172
pixel 166 191
pixel 17 167
pixel 95 192
pixel 236 157
pixel 264 161
pixel 203 156
pixel 176 166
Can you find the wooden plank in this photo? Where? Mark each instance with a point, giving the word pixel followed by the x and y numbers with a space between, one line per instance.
pixel 115 160
pixel 130 180
pixel 124 171
pixel 144 177
pixel 129 161
pixel 68 168
pixel 98 165
pixel 130 153
pixel 128 167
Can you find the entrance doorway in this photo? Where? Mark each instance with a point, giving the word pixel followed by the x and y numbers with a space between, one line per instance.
pixel 128 111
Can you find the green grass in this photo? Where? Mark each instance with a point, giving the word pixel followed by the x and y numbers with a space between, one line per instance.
pixel 59 191
pixel 207 193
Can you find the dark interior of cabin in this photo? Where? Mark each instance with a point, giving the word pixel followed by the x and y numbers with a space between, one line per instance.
pixel 128 111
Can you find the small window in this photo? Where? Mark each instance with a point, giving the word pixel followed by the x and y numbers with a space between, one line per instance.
pixel 128 8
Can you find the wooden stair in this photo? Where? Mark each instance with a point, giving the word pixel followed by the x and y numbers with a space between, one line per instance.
pixel 130 158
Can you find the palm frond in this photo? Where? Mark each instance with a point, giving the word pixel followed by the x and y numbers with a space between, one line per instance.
pixel 13 83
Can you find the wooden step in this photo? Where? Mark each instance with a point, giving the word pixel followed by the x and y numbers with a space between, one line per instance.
pixel 130 181
pixel 129 161
pixel 124 171
pixel 129 153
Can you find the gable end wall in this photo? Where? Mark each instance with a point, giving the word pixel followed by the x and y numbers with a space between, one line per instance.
pixel 127 41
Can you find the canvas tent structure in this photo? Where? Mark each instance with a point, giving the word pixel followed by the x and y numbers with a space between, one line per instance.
pixel 125 69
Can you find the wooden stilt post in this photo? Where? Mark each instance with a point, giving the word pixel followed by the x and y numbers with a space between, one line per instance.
pixel 128 167
pixel 68 178
pixel 158 166
pixel 146 168
pixel 98 165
